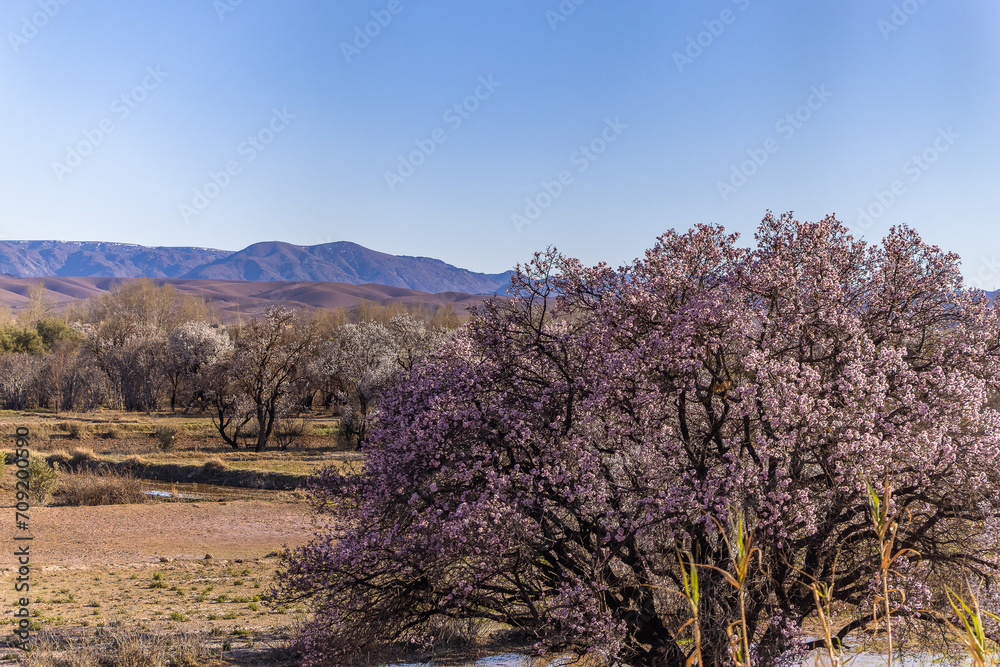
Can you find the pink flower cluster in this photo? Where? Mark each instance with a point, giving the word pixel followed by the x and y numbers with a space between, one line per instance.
pixel 544 469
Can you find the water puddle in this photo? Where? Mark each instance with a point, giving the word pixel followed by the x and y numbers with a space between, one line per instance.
pixel 492 661
pixel 186 491
pixel 167 494
pixel 816 659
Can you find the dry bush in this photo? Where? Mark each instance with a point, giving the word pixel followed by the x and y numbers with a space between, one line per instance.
pixel 117 646
pixel 287 432
pixel 81 456
pixel 127 646
pixel 59 456
pixel 213 466
pixel 103 487
pixel 186 649
pixel 166 436
pixel 79 459
pixel 50 650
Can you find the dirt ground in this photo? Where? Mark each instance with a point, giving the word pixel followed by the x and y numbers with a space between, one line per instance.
pixel 127 534
pixel 145 567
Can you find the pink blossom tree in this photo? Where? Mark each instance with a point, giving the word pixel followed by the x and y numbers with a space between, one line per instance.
pixel 545 469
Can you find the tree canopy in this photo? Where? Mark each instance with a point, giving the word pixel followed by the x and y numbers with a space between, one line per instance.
pixel 548 466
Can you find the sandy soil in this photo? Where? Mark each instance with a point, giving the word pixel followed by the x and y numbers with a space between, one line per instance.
pixel 144 567
pixel 122 534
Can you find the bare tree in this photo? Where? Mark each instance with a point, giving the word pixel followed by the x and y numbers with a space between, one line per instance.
pixel 39 305
pixel 19 373
pixel 132 359
pixel 250 389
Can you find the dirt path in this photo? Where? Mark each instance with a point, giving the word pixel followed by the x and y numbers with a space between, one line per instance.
pixel 121 534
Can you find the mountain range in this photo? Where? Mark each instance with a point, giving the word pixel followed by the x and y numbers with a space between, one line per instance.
pixel 338 262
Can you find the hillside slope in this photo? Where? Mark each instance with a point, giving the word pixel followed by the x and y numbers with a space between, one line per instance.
pixel 341 262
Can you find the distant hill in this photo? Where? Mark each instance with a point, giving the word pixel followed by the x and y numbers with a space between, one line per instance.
pixel 341 262
pixel 345 262
pixel 242 296
pixel 36 259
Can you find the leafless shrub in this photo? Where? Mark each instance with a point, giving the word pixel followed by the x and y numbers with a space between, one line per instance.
pixel 103 487
pixel 117 646
pixel 133 462
pixel 287 432
pixel 51 650
pixel 125 646
pixel 213 466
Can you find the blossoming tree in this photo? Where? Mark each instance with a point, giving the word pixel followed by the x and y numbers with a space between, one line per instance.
pixel 571 446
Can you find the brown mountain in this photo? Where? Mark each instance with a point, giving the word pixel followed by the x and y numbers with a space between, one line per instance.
pixel 240 296
pixel 341 262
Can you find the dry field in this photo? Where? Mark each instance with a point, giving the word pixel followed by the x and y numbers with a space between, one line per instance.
pixel 190 572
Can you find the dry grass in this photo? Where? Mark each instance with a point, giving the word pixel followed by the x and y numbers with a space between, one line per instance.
pixel 121 645
pixel 102 487
pixel 185 612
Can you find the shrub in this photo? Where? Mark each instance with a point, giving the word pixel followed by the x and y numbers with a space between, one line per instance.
pixel 81 457
pixel 166 436
pixel 76 430
pixel 112 432
pixel 287 431
pixel 213 466
pixel 43 480
pixel 103 487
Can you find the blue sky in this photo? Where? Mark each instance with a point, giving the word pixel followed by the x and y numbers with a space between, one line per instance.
pixel 478 132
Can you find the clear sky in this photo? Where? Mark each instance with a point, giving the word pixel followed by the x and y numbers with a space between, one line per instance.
pixel 479 131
